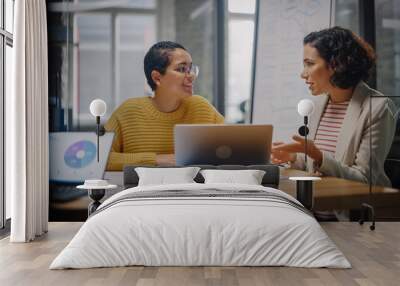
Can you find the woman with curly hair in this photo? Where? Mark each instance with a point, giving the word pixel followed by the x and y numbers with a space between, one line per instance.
pixel 336 63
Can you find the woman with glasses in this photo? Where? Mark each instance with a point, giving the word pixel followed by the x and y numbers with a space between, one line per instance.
pixel 144 126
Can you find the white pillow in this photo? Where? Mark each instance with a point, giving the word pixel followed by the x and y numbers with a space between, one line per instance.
pixel 248 177
pixel 164 176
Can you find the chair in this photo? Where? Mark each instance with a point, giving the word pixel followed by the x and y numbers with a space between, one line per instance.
pixel 392 162
pixel 392 170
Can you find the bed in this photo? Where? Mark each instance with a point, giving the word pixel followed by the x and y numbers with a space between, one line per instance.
pixel 201 224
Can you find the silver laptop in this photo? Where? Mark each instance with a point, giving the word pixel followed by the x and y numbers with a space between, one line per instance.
pixel 222 144
pixel 73 156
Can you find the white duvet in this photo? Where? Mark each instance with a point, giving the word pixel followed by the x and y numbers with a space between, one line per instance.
pixel 200 231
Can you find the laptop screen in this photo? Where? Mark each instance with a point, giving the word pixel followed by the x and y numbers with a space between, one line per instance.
pixel 217 144
pixel 73 156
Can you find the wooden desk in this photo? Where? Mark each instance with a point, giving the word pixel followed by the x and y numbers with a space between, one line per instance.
pixel 329 193
pixel 336 193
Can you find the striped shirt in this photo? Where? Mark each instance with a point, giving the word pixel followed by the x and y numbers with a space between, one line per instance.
pixel 329 126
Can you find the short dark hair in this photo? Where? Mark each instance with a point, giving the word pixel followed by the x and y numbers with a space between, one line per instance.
pixel 351 58
pixel 157 58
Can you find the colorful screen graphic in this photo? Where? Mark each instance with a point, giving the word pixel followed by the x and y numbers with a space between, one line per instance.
pixel 80 154
pixel 73 156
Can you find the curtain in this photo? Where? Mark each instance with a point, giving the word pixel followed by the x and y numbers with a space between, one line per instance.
pixel 27 124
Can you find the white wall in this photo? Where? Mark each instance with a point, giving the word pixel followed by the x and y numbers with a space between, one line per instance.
pixel 279 61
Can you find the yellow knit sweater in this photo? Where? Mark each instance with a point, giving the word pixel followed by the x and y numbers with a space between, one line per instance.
pixel 142 131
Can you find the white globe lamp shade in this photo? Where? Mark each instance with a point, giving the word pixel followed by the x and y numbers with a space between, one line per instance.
pixel 98 107
pixel 305 107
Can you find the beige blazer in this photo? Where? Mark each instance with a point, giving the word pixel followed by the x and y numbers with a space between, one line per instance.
pixel 352 156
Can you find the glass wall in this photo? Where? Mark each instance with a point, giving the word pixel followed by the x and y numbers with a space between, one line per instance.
pixel 97 50
pixel 240 46
pixel 195 28
pixel 108 59
pixel 93 65
pixel 387 14
pixel 347 15
pixel 387 18
pixel 387 47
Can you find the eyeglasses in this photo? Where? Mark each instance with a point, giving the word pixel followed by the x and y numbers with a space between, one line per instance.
pixel 188 70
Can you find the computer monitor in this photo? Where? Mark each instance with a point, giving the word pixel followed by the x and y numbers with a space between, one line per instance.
pixel 73 156
pixel 222 144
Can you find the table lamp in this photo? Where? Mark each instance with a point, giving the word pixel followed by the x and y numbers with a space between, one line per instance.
pixel 305 108
pixel 97 187
pixel 304 185
pixel 98 108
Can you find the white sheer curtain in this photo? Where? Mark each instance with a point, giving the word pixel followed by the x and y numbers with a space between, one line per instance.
pixel 27 124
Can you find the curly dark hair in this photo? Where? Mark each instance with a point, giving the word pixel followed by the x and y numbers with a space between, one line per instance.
pixel 351 58
pixel 157 58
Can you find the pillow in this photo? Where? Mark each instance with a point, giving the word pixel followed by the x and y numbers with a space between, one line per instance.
pixel 163 176
pixel 248 177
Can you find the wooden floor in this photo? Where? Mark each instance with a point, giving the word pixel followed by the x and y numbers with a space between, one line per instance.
pixel 375 257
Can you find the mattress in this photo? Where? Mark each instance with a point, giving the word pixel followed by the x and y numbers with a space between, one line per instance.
pixel 201 225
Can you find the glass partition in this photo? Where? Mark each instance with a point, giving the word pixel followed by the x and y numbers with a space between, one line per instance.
pixel 92 61
pixel 96 50
pixel 387 29
pixel 381 151
pixel 347 15
pixel 240 46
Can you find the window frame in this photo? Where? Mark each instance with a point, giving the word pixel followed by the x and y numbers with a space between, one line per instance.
pixel 6 39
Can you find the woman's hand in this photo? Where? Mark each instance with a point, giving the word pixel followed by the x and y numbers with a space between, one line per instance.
pixel 165 160
pixel 281 156
pixel 284 152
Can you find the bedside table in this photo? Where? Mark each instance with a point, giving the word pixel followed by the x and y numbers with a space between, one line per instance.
pixel 304 190
pixel 96 193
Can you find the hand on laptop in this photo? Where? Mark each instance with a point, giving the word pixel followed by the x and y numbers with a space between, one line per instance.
pixel 165 160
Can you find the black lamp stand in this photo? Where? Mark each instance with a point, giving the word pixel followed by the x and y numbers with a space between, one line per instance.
pixel 304 188
pixel 303 131
pixel 100 131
